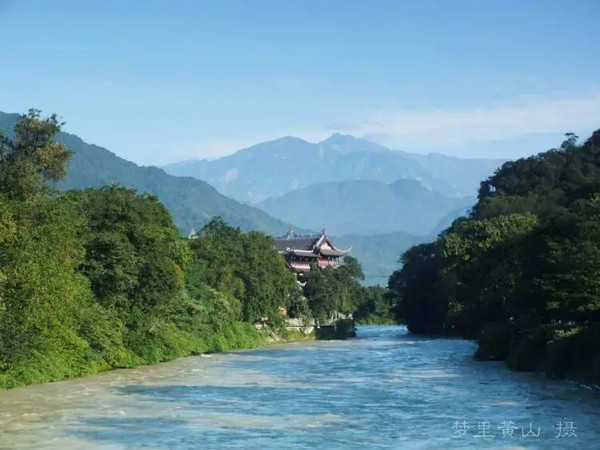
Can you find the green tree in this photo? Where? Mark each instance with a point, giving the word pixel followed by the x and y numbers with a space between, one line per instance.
pixel 32 157
pixel 334 291
pixel 135 257
pixel 246 267
pixel 376 306
pixel 521 273
pixel 418 289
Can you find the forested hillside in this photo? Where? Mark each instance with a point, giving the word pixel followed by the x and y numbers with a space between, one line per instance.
pixel 522 272
pixel 191 202
pixel 100 278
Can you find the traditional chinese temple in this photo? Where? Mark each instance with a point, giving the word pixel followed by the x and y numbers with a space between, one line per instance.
pixel 303 252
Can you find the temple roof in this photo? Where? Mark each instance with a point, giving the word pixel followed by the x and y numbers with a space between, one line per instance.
pixel 296 242
pixel 315 244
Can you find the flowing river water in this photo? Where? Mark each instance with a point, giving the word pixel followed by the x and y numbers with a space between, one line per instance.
pixel 384 389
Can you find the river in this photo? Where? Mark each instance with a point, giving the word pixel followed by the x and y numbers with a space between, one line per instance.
pixel 384 389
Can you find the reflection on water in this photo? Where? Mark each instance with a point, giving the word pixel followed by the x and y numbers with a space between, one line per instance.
pixel 384 389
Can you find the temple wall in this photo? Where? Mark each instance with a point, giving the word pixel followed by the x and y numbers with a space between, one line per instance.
pixel 301 325
pixel 338 328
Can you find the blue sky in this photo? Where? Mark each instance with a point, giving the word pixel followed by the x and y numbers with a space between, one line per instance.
pixel 160 81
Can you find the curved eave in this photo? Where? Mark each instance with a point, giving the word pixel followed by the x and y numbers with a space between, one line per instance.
pixel 335 252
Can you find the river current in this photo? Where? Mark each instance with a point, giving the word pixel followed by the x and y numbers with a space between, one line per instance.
pixel 384 389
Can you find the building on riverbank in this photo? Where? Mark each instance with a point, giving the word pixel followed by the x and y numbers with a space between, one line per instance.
pixel 303 252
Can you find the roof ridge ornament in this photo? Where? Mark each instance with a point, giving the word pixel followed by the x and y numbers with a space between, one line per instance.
pixel 291 233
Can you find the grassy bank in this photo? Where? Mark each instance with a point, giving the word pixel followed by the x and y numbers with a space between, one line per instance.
pixel 53 366
pixel 66 362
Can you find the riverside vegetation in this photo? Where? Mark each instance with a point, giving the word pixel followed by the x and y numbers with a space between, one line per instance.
pixel 521 273
pixel 97 279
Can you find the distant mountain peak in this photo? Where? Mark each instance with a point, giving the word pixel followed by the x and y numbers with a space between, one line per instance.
pixel 339 139
pixel 291 141
pixel 285 139
pixel 345 143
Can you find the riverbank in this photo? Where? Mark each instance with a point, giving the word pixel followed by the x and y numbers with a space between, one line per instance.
pixel 235 336
pixel 385 389
pixel 520 272
pixel 570 355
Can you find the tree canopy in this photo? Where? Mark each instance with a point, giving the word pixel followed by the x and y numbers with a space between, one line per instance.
pixel 32 157
pixel 521 272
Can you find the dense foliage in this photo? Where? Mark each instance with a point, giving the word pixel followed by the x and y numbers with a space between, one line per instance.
pixel 334 293
pixel 32 156
pixel 101 278
pixel 522 272
pixel 245 268
pixel 376 307
pixel 96 279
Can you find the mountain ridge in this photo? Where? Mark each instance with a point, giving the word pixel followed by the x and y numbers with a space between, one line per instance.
pixel 191 202
pixel 366 207
pixel 279 166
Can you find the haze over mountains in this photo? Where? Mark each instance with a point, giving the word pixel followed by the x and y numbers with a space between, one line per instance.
pixel 274 168
pixel 379 253
pixel 366 207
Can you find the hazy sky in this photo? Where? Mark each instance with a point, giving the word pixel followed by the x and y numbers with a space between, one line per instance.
pixel 161 81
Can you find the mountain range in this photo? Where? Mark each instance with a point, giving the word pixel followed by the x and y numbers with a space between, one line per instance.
pixel 274 168
pixel 367 207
